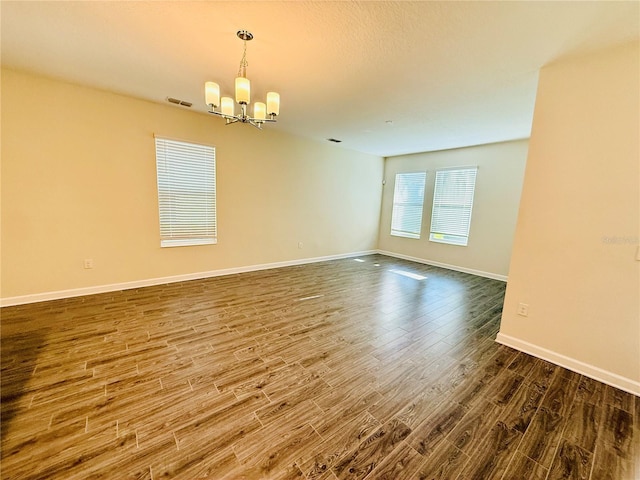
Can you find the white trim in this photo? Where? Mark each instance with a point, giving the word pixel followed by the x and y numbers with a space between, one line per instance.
pixel 479 273
pixel 187 242
pixel 182 140
pixel 114 287
pixel 577 366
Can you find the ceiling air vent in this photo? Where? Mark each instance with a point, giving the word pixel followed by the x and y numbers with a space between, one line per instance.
pixel 334 140
pixel 179 102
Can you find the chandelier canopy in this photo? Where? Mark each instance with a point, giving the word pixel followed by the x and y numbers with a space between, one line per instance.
pixel 262 113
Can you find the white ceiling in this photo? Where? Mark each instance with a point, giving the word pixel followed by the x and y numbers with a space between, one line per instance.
pixel 447 74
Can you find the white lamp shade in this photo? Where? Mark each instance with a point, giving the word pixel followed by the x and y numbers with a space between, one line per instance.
pixel 243 90
pixel 273 103
pixel 259 111
pixel 212 94
pixel 227 106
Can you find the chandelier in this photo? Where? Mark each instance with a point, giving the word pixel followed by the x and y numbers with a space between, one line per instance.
pixel 261 113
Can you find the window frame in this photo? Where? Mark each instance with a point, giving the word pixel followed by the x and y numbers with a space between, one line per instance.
pixel 456 232
pixel 186 189
pixel 402 208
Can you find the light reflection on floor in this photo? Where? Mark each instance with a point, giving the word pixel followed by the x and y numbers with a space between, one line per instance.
pixel 410 298
pixel 404 273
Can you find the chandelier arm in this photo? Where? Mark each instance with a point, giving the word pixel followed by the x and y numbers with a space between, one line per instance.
pixel 261 120
pixel 242 118
pixel 220 114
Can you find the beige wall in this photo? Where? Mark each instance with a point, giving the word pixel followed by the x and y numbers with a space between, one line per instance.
pixel 79 181
pixel 495 207
pixel 574 253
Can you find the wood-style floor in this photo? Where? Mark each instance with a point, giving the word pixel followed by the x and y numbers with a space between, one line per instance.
pixel 347 369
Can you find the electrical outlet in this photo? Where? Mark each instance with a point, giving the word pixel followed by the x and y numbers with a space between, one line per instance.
pixel 300 244
pixel 88 263
pixel 523 309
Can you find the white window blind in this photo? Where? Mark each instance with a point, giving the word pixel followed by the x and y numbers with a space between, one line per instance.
pixel 186 192
pixel 408 198
pixel 452 205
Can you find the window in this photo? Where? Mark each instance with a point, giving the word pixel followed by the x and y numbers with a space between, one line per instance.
pixel 452 203
pixel 408 197
pixel 186 193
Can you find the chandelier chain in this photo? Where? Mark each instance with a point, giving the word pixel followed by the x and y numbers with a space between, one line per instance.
pixel 242 70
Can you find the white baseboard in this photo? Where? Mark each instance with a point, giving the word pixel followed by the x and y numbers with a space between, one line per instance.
pixel 577 366
pixel 479 273
pixel 114 287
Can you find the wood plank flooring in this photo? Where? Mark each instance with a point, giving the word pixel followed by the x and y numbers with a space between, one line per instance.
pixel 347 369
